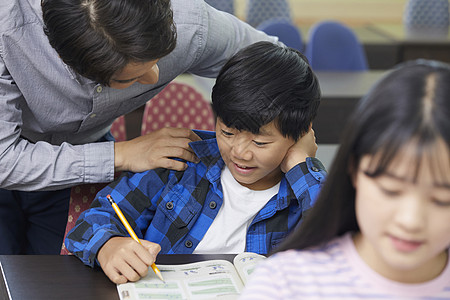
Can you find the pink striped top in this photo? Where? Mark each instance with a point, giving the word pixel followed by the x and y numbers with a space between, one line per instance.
pixel 336 271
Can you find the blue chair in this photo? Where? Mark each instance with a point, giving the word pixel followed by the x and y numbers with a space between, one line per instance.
pixel 426 17
pixel 287 32
pixel 223 5
pixel 332 46
pixel 259 11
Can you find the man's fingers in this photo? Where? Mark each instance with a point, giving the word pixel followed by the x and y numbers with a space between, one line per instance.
pixel 179 153
pixel 172 164
pixel 179 133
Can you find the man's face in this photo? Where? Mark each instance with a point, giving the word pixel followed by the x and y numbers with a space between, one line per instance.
pixel 253 159
pixel 144 73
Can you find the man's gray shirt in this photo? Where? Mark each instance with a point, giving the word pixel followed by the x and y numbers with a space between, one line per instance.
pixel 51 116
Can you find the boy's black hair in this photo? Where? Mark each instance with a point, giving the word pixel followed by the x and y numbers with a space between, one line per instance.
pixel 266 82
pixel 100 37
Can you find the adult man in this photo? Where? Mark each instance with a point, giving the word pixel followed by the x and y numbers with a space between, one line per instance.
pixel 67 70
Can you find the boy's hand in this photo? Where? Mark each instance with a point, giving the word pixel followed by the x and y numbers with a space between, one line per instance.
pixel 123 259
pixel 305 147
pixel 154 150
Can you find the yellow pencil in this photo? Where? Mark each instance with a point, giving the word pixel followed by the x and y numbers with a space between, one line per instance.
pixel 131 231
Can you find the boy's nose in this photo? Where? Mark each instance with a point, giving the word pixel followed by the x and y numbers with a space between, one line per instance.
pixel 240 150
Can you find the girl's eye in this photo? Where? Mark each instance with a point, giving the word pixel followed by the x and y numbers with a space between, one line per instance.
pixel 441 198
pixel 442 203
pixel 389 190
pixel 392 193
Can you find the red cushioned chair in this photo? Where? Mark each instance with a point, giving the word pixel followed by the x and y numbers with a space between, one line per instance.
pixel 81 196
pixel 177 105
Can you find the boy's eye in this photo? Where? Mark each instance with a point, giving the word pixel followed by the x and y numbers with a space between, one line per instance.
pixel 259 143
pixel 226 132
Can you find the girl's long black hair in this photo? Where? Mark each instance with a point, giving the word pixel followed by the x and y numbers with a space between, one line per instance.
pixel 411 103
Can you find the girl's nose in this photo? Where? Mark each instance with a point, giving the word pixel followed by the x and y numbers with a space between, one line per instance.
pixel 410 215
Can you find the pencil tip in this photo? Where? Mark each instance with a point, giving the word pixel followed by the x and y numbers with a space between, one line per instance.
pixel 160 277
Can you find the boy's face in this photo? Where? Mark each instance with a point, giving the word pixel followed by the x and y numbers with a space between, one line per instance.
pixel 253 159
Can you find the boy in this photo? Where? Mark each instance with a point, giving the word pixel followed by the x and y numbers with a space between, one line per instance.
pixel 253 183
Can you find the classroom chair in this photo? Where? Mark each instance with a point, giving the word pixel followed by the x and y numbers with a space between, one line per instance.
pixel 426 17
pixel 81 196
pixel 287 32
pixel 332 46
pixel 223 5
pixel 177 105
pixel 259 11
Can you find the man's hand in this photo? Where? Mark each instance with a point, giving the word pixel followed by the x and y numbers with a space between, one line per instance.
pixel 123 259
pixel 305 147
pixel 155 150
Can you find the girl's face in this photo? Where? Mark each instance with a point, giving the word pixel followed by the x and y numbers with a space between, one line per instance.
pixel 405 219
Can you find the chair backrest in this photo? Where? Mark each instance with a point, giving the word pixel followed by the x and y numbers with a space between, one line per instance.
pixel 287 32
pixel 223 5
pixel 332 46
pixel 118 129
pixel 259 11
pixel 177 105
pixel 81 196
pixel 426 16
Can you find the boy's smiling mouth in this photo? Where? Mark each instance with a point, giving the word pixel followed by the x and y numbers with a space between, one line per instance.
pixel 242 169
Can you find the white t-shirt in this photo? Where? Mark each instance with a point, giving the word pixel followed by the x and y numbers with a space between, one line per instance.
pixel 227 233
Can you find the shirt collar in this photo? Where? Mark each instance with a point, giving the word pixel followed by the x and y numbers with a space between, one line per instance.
pixel 77 77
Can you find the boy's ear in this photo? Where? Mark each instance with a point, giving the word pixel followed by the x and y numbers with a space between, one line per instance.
pixel 309 129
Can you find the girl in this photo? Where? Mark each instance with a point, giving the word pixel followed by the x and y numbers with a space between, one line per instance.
pixel 381 225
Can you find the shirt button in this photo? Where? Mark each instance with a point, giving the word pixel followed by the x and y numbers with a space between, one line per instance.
pixel 99 89
pixel 212 204
pixel 169 205
pixel 315 169
pixel 188 244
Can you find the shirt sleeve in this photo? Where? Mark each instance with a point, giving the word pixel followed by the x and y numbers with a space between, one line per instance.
pixel 306 179
pixel 225 35
pixel 136 194
pixel 41 166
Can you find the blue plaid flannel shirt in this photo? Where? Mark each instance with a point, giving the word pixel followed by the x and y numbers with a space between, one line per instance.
pixel 175 209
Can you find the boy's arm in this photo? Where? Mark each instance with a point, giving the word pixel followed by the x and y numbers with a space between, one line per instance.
pixel 306 180
pixel 136 195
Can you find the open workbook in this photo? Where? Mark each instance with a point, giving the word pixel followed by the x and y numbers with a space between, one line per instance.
pixel 209 279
